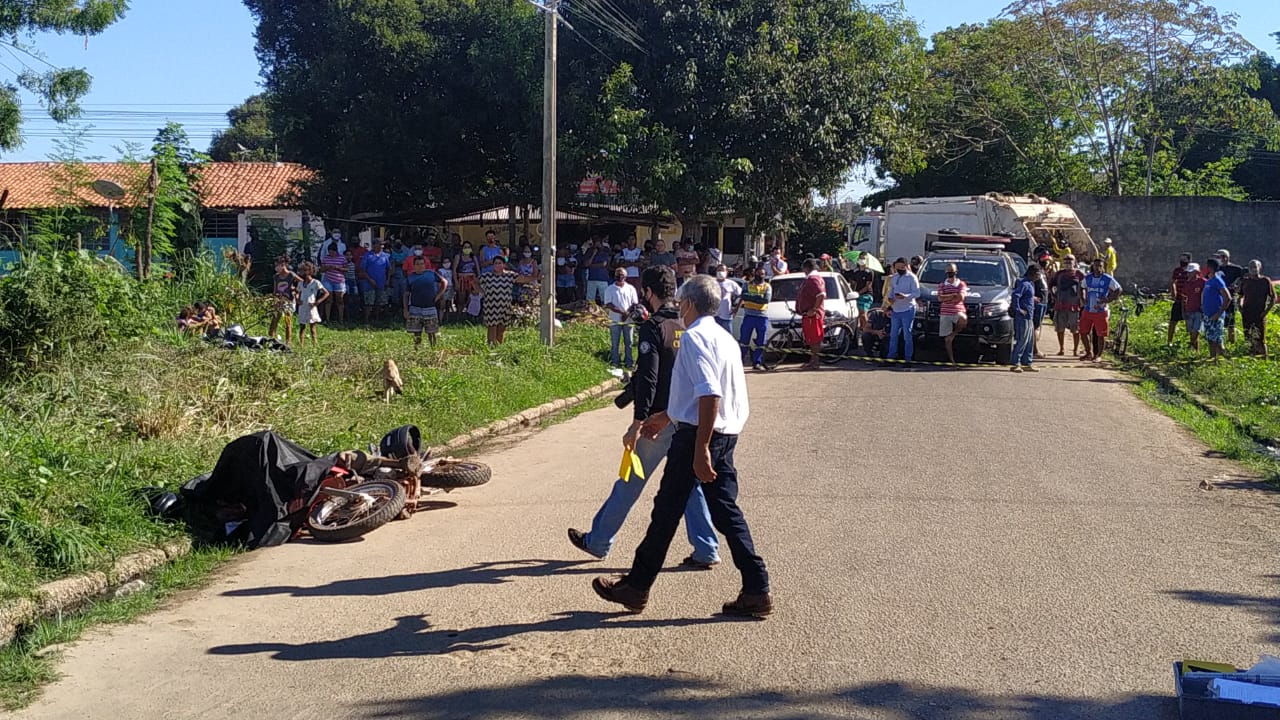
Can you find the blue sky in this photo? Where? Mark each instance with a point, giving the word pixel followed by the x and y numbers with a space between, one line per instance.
pixel 191 60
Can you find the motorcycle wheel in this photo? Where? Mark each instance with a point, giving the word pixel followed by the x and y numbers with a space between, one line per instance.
pixel 457 474
pixel 775 349
pixel 338 518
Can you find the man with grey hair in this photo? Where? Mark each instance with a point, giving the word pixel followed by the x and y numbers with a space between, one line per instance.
pixel 1231 274
pixel 708 405
pixel 1257 297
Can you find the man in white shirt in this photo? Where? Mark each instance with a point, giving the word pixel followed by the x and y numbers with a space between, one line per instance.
pixel 776 265
pixel 903 291
pixel 729 294
pixel 619 297
pixel 631 261
pixel 708 405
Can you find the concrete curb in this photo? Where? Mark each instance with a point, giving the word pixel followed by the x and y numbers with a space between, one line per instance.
pixel 1172 384
pixel 529 417
pixel 63 595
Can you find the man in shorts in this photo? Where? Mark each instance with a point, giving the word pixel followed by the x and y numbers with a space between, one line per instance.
pixel 811 305
pixel 1214 302
pixel 1191 289
pixel 1231 274
pixel 376 279
pixel 951 315
pixel 423 292
pixel 1176 310
pixel 862 280
pixel 1097 293
pixel 1064 290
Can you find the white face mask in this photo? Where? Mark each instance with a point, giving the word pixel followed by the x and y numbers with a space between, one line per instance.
pixel 721 275
pixel 561 261
pixel 417 253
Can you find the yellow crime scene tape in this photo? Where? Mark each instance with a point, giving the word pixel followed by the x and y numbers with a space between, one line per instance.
pixel 925 363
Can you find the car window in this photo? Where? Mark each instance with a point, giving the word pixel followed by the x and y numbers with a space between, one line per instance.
pixel 845 290
pixel 974 271
pixel 789 288
pixel 1019 266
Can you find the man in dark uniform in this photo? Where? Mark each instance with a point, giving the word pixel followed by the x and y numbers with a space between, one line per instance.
pixel 649 387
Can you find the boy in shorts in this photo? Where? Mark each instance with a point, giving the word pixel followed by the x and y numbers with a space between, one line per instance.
pixel 424 291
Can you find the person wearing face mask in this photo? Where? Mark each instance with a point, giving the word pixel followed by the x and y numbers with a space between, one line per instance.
pixel 729 294
pixel 618 299
pixel 631 260
pixel 1064 291
pixel 467 267
pixel 755 317
pixel 446 273
pixel 709 408
pixel 1176 282
pixel 650 387
pixel 529 273
pixel 566 280
pixel 904 288
pixel 1257 297
pixel 952 318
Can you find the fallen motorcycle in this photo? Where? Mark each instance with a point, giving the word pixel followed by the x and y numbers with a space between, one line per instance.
pixel 364 491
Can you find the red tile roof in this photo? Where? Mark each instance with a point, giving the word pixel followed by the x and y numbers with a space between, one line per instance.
pixel 29 186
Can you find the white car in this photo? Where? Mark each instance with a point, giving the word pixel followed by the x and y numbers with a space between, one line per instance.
pixel 841 299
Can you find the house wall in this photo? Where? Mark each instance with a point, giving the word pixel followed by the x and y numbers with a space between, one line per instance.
pixel 1149 233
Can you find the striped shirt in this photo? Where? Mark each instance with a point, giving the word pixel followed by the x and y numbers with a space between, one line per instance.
pixel 334 266
pixel 755 299
pixel 951 297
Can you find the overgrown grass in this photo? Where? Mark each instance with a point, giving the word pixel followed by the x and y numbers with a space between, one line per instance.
pixel 1248 387
pixel 25 665
pixel 77 442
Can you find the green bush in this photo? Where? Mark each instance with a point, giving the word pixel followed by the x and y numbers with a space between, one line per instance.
pixel 54 303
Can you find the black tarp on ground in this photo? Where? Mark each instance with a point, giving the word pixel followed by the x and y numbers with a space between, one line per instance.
pixel 264 472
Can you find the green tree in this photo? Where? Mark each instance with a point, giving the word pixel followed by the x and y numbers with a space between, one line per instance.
pixel 1259 174
pixel 747 105
pixel 58 89
pixel 249 137
pixel 1119 56
pixel 989 116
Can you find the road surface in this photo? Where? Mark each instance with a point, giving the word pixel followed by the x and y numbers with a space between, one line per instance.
pixel 943 544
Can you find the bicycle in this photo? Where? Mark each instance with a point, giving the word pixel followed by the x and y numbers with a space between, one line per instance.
pixel 837 340
pixel 1120 345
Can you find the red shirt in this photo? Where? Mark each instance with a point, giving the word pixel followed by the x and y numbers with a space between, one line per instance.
pixel 408 262
pixel 1191 289
pixel 357 254
pixel 810 289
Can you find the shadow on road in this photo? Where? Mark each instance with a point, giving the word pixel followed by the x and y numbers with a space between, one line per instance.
pixel 488 573
pixel 1265 607
pixel 413 635
pixel 580 696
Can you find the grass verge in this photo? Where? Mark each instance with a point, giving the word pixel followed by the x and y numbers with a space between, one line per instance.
pixel 1219 433
pixel 1247 387
pixel 26 664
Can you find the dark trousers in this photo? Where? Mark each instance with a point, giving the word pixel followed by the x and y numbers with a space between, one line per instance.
pixel 678 481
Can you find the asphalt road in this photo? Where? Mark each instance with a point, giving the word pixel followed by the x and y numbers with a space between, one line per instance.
pixel 946 544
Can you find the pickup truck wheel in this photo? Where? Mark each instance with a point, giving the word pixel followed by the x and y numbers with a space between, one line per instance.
pixel 1004 354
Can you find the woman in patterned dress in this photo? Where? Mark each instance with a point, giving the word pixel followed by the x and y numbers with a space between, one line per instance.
pixel 497 292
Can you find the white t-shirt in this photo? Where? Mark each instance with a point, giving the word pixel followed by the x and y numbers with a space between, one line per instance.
pixel 729 292
pixel 629 257
pixel 775 266
pixel 620 297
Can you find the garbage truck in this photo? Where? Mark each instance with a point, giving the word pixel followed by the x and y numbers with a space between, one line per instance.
pixel 899 231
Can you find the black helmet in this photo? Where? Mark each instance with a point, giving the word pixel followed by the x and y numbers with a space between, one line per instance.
pixel 400 443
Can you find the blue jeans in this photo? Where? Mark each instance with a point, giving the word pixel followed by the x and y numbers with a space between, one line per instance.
pixel 757 326
pixel 678 482
pixel 616 333
pixel 726 324
pixel 697 519
pixel 902 322
pixel 1024 334
pixel 596 290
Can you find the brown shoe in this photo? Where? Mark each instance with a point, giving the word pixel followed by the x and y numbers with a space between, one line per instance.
pixel 749 605
pixel 616 590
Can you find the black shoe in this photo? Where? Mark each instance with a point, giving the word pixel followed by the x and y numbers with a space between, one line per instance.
pixel 579 540
pixel 616 590
pixel 748 605
pixel 692 562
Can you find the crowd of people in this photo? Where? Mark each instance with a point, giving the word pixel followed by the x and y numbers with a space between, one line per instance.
pixel 1208 300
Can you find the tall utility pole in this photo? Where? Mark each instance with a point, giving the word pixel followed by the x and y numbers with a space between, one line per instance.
pixel 547 301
